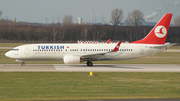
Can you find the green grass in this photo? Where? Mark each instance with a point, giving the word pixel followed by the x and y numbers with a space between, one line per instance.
pixel 11 44
pixel 79 86
pixel 174 47
pixel 160 58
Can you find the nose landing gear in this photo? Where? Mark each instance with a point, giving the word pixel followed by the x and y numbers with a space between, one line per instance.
pixel 22 62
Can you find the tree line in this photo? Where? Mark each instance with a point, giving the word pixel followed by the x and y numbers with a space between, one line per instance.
pixel 134 18
pixel 80 32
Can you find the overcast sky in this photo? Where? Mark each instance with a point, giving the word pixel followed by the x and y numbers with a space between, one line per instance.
pixel 38 10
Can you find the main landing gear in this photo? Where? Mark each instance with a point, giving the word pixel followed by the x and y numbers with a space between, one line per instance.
pixel 89 63
pixel 22 64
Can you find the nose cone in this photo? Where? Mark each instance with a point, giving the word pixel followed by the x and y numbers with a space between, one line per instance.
pixel 8 54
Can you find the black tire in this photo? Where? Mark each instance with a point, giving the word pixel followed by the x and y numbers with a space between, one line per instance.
pixel 22 64
pixel 89 63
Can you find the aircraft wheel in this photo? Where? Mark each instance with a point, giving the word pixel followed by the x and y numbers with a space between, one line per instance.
pixel 89 63
pixel 22 64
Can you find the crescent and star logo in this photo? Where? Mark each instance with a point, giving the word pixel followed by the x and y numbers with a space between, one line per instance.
pixel 160 31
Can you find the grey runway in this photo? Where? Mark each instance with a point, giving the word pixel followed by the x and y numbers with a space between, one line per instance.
pixel 95 68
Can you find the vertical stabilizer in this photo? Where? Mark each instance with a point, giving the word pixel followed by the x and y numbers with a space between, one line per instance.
pixel 159 33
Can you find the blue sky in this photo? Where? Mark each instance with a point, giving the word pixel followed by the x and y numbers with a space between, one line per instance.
pixel 38 10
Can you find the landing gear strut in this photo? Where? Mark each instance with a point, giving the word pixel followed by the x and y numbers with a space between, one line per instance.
pixel 22 64
pixel 89 63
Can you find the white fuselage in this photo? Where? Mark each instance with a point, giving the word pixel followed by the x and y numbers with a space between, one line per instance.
pixel 153 43
pixel 42 52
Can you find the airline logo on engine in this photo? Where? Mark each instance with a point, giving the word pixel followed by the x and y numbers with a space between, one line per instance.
pixel 51 47
pixel 160 31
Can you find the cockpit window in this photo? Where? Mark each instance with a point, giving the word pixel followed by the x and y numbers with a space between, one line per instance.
pixel 15 49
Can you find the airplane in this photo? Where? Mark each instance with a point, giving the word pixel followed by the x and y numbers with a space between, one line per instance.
pixel 74 53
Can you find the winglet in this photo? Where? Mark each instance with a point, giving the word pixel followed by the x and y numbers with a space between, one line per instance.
pixel 117 47
pixel 109 41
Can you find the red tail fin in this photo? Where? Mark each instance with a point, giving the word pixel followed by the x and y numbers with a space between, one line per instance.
pixel 159 33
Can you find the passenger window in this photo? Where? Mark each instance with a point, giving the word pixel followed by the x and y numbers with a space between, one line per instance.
pixel 15 49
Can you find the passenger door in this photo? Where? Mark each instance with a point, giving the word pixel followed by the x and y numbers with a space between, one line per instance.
pixel 26 51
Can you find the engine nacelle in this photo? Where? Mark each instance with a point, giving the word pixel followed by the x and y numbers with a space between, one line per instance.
pixel 71 59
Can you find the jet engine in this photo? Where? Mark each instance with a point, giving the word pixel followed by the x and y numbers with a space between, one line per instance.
pixel 71 59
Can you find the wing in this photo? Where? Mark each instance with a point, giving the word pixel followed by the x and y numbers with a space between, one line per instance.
pixel 100 55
